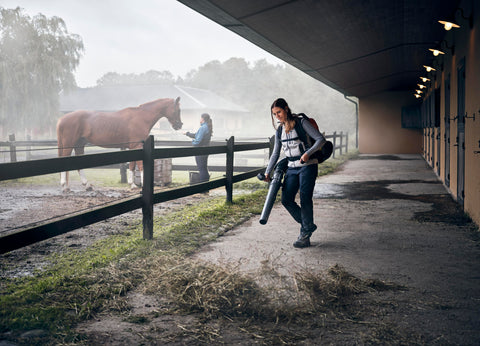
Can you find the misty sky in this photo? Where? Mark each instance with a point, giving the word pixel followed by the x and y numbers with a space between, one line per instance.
pixel 128 36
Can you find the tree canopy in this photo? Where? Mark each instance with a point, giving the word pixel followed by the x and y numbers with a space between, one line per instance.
pixel 37 59
pixel 255 86
pixel 149 77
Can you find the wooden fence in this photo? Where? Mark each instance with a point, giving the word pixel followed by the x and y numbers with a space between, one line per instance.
pixel 43 231
pixel 25 150
pixel 339 140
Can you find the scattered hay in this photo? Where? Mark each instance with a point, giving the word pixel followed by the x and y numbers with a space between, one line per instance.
pixel 216 291
pixel 331 292
pixel 266 306
pixel 211 290
pixel 338 289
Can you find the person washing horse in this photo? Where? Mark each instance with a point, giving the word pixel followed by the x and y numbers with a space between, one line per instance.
pixel 202 138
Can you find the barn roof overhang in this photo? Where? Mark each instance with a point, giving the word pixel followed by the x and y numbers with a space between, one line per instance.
pixel 359 48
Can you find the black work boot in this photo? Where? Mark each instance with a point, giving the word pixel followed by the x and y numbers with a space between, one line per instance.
pixel 303 240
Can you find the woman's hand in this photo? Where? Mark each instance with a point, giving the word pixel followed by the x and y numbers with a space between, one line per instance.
pixel 267 178
pixel 304 158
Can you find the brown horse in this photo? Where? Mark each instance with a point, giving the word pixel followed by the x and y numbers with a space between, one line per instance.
pixel 125 129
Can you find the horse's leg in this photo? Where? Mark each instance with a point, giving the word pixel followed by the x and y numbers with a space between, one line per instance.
pixel 131 178
pixel 131 172
pixel 64 151
pixel 84 180
pixel 140 168
pixel 80 151
pixel 64 181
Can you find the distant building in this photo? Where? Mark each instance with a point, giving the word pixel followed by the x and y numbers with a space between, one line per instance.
pixel 228 118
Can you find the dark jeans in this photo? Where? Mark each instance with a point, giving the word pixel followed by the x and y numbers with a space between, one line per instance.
pixel 303 179
pixel 202 162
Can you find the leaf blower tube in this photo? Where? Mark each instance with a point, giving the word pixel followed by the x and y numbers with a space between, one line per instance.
pixel 275 184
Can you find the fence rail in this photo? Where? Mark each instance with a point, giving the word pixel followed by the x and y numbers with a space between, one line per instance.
pixel 339 140
pixel 49 229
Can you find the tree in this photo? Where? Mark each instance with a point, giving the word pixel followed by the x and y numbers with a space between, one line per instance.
pixel 37 60
pixel 149 77
pixel 255 86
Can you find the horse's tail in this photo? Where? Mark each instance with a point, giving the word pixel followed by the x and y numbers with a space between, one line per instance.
pixel 59 138
pixel 63 142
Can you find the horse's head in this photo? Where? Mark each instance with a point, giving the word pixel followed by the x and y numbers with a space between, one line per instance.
pixel 173 115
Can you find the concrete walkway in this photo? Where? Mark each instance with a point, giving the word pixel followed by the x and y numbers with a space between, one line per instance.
pixel 383 217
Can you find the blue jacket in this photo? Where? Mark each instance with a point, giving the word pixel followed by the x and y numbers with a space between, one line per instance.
pixel 201 137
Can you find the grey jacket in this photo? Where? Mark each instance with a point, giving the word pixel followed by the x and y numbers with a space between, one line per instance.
pixel 293 147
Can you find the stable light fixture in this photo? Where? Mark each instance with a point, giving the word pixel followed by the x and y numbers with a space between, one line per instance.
pixel 450 22
pixel 435 51
pixel 421 86
pixel 418 96
pixel 418 91
pixel 425 79
pixel 447 25
pixel 429 68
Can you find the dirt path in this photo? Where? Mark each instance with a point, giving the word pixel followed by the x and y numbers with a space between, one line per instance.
pixel 387 218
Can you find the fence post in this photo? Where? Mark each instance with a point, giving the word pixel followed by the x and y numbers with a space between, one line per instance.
pixel 341 143
pixel 28 153
pixel 346 142
pixel 334 143
pixel 147 189
pixel 123 170
pixel 13 148
pixel 229 169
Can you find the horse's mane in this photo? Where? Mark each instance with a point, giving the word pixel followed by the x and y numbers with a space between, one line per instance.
pixel 151 103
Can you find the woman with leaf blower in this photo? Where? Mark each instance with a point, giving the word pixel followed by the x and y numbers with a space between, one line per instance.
pixel 293 136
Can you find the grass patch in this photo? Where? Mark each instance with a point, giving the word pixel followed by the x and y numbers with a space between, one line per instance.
pixel 97 177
